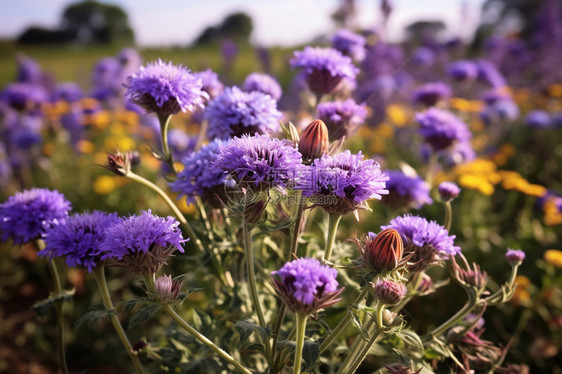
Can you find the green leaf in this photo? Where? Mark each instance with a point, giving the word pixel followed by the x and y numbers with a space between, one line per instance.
pixel 357 324
pixel 43 306
pixel 130 305
pixel 310 354
pixel 246 328
pixel 94 316
pixel 410 337
pixel 143 315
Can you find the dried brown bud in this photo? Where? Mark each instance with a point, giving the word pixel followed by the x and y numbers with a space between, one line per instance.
pixel 383 252
pixel 120 163
pixel 314 141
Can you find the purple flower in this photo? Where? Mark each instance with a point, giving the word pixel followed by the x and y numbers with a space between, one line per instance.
pixel 235 113
pixel 324 68
pixel 538 119
pixel 423 56
pixel 201 176
pixel 515 256
pixel 406 191
pixel 79 238
pixel 462 70
pixel 29 70
pixel 26 215
pixel 105 79
pixel 259 161
pixel 263 83
pixel 441 129
pixel 429 242
pixel 142 243
pixel 341 117
pixel 306 285
pixel 181 144
pixel 166 89
pixel 448 191
pixel 389 292
pixel 350 44
pixel 211 83
pixel 499 110
pixel 342 183
pixel 67 91
pixel 488 73
pixel 459 153
pixel 23 96
pixel 431 93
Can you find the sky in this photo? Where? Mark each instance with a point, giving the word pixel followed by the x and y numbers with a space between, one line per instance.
pixel 276 22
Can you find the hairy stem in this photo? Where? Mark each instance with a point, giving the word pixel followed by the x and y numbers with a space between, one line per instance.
pixel 301 329
pixel 448 215
pixel 296 232
pixel 333 221
pixel 203 339
pixel 164 126
pixel 99 273
pixel 249 254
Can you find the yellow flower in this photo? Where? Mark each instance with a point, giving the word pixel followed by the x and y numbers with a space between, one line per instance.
pixel 514 181
pixel 86 146
pixel 398 115
pixel 553 257
pixel 470 106
pixel 552 213
pixel 121 142
pixel 104 184
pixel 521 294
pixel 477 182
pixel 182 204
pixel 555 90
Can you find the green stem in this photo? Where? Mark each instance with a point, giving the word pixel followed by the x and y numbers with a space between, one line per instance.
pixel 296 232
pixel 467 308
pixel 249 254
pixel 301 329
pixel 164 125
pixel 99 273
pixel 448 215
pixel 359 359
pixel 203 339
pixel 380 310
pixel 167 200
pixel 60 316
pixel 333 221
pixel 342 325
pixel 275 332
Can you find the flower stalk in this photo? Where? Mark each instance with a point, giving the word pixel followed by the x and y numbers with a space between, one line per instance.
pixel 165 120
pixel 448 215
pixel 333 222
pixel 99 273
pixel 301 329
pixel 249 254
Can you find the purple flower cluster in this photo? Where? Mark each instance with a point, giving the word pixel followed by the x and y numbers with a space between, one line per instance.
pixel 429 242
pixel 324 68
pixel 431 93
pixel 306 285
pixel 406 191
pixel 350 44
pixel 235 113
pixel 165 89
pixel 28 214
pixel 201 176
pixel 263 83
pixel 211 83
pixel 441 129
pixel 347 178
pixel 259 161
pixel 341 117
pixel 23 96
pixel 463 70
pixel 79 238
pixel 142 243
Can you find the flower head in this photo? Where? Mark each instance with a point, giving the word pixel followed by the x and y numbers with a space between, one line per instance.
pixel 448 191
pixel 79 238
pixel 201 176
pixel 263 83
pixel 463 70
pixel 235 113
pixel 306 285
pixel 26 215
pixel 313 142
pixel 431 93
pixel 324 68
pixel 350 44
pixel 165 89
pixel 429 242
pixel 259 161
pixel 383 251
pixel 389 292
pixel 342 183
pixel 167 289
pixel 515 256
pixel 211 83
pixel 406 191
pixel 441 129
pixel 23 96
pixel 341 117
pixel 538 119
pixel 142 243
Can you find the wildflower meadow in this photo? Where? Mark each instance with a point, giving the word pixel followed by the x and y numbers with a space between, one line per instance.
pixel 351 205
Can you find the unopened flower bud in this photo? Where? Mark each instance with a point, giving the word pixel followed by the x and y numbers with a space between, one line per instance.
pixel 167 289
pixel 388 317
pixel 390 292
pixel 314 141
pixel 120 163
pixel 254 212
pixel 448 191
pixel 514 256
pixel 384 251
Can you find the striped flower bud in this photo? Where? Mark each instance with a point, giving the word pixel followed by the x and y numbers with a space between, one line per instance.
pixel 314 142
pixel 383 252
